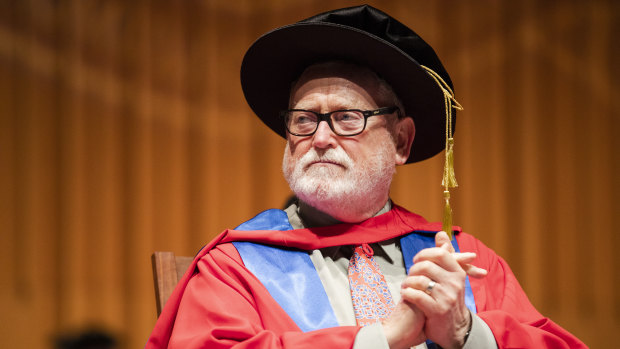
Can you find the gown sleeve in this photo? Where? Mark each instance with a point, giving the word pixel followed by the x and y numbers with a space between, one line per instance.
pixel 223 305
pixel 504 306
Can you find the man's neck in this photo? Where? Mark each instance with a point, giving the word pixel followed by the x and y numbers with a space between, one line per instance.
pixel 303 215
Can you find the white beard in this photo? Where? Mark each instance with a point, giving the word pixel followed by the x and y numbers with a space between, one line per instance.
pixel 348 191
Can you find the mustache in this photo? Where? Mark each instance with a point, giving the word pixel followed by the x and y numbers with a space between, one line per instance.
pixel 333 155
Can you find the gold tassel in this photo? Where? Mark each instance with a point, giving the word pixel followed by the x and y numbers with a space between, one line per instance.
pixel 449 178
pixel 447 214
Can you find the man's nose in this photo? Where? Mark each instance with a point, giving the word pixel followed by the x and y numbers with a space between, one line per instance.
pixel 324 137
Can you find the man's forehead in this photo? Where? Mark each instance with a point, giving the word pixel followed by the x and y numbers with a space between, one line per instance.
pixel 338 92
pixel 338 69
pixel 344 83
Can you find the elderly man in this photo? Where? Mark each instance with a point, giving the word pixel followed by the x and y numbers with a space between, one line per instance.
pixel 355 93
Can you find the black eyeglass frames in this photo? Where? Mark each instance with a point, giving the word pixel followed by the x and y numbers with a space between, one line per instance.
pixel 345 122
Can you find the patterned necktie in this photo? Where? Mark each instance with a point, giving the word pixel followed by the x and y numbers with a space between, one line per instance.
pixel 372 300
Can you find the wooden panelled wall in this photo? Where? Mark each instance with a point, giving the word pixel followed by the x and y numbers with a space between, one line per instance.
pixel 123 130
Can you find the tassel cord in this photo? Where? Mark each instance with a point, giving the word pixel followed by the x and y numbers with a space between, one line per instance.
pixel 449 178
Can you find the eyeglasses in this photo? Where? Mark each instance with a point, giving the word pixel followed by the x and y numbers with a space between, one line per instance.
pixel 348 122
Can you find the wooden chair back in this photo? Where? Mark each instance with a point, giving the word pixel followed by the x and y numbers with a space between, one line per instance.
pixel 167 271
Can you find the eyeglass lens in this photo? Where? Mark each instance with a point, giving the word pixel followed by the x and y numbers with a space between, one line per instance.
pixel 344 123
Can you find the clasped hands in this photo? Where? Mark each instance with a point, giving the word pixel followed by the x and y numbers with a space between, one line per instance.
pixel 432 304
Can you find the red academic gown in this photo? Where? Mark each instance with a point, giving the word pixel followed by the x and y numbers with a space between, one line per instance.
pixel 221 304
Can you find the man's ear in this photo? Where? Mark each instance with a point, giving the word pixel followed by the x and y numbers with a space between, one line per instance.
pixel 404 134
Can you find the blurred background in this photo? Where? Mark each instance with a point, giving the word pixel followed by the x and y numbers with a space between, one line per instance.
pixel 123 130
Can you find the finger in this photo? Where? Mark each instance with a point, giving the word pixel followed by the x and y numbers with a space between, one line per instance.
pixel 417 297
pixel 431 270
pixel 440 256
pixel 464 259
pixel 421 299
pixel 419 282
pixel 474 271
pixel 441 238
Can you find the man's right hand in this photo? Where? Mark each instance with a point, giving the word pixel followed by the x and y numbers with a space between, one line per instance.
pixel 404 327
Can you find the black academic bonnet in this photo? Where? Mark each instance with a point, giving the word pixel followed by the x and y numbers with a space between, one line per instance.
pixel 362 35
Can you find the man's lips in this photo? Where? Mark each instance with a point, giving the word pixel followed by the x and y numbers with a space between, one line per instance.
pixel 324 162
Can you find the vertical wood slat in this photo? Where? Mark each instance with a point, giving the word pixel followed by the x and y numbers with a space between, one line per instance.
pixel 107 230
pixel 170 124
pixel 139 157
pixel 530 158
pixel 613 69
pixel 10 300
pixel 566 186
pixel 74 152
pixel 123 131
pixel 601 152
pixel 37 214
